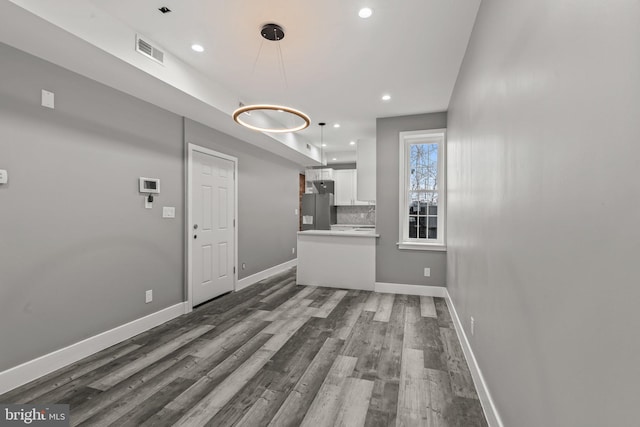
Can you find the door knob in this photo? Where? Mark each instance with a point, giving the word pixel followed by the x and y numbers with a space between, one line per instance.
pixel 195 226
pixel 195 236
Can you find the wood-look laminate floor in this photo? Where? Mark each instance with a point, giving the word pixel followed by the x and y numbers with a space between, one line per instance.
pixel 278 354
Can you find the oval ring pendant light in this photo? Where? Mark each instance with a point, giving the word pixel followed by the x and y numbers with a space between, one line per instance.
pixel 272 32
pixel 270 107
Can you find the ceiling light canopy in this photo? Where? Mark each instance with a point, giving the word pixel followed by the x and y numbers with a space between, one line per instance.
pixel 365 12
pixel 197 47
pixel 337 125
pixel 352 143
pixel 271 118
pixel 386 97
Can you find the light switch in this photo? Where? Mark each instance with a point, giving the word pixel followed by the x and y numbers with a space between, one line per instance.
pixel 48 99
pixel 4 176
pixel 168 212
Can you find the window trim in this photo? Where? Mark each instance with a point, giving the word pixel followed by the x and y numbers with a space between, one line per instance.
pixel 405 139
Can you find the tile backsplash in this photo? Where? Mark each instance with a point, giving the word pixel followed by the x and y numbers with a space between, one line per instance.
pixel 360 215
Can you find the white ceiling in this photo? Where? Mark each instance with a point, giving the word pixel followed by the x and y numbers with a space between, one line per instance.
pixel 337 64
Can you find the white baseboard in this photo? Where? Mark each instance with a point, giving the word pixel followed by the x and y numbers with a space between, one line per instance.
pixel 36 368
pixel 490 410
pixel 255 278
pixel 399 288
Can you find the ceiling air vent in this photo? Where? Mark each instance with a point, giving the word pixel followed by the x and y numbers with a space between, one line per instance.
pixel 149 50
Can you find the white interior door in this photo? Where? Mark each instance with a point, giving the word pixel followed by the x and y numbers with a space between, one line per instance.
pixel 212 226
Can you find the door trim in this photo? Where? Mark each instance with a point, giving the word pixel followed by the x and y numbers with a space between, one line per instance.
pixel 191 148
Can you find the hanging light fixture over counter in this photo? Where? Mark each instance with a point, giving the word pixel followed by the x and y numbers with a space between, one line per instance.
pixel 268 117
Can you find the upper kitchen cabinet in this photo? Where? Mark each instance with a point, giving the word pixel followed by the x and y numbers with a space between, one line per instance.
pixel 312 174
pixel 315 175
pixel 346 188
pixel 366 164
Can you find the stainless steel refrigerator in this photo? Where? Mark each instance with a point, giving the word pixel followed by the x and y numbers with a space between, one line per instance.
pixel 318 211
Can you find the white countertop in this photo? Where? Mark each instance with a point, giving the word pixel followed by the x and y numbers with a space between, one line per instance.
pixel 346 233
pixel 354 225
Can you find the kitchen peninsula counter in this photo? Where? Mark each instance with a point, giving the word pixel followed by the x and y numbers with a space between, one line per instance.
pixel 338 259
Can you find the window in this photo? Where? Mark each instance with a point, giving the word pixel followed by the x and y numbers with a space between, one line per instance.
pixel 422 189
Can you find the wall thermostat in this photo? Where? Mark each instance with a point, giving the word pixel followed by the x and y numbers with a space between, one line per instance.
pixel 149 185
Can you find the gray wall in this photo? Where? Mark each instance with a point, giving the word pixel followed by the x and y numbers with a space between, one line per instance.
pixel 544 203
pixel 392 264
pixel 77 248
pixel 267 199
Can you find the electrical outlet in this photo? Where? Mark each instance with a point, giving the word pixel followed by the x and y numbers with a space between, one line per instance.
pixel 427 272
pixel 473 325
pixel 295 211
pixel 293 250
pixel 244 265
pixel 148 296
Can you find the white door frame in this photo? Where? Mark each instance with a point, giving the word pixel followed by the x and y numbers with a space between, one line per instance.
pixel 191 148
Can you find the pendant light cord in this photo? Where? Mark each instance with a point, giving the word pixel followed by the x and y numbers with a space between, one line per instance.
pixel 322 150
pixel 322 145
pixel 284 73
pixel 257 57
pixel 281 67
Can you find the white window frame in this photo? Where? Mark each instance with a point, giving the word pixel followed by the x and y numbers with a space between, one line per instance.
pixel 406 139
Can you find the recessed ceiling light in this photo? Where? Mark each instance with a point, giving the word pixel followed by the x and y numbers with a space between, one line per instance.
pixel 197 48
pixel 352 143
pixel 324 145
pixel 386 97
pixel 365 12
pixel 334 159
pixel 337 125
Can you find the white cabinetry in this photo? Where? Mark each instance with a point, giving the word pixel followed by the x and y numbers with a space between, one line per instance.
pixel 318 174
pixel 311 175
pixel 366 163
pixel 346 187
pixel 343 187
